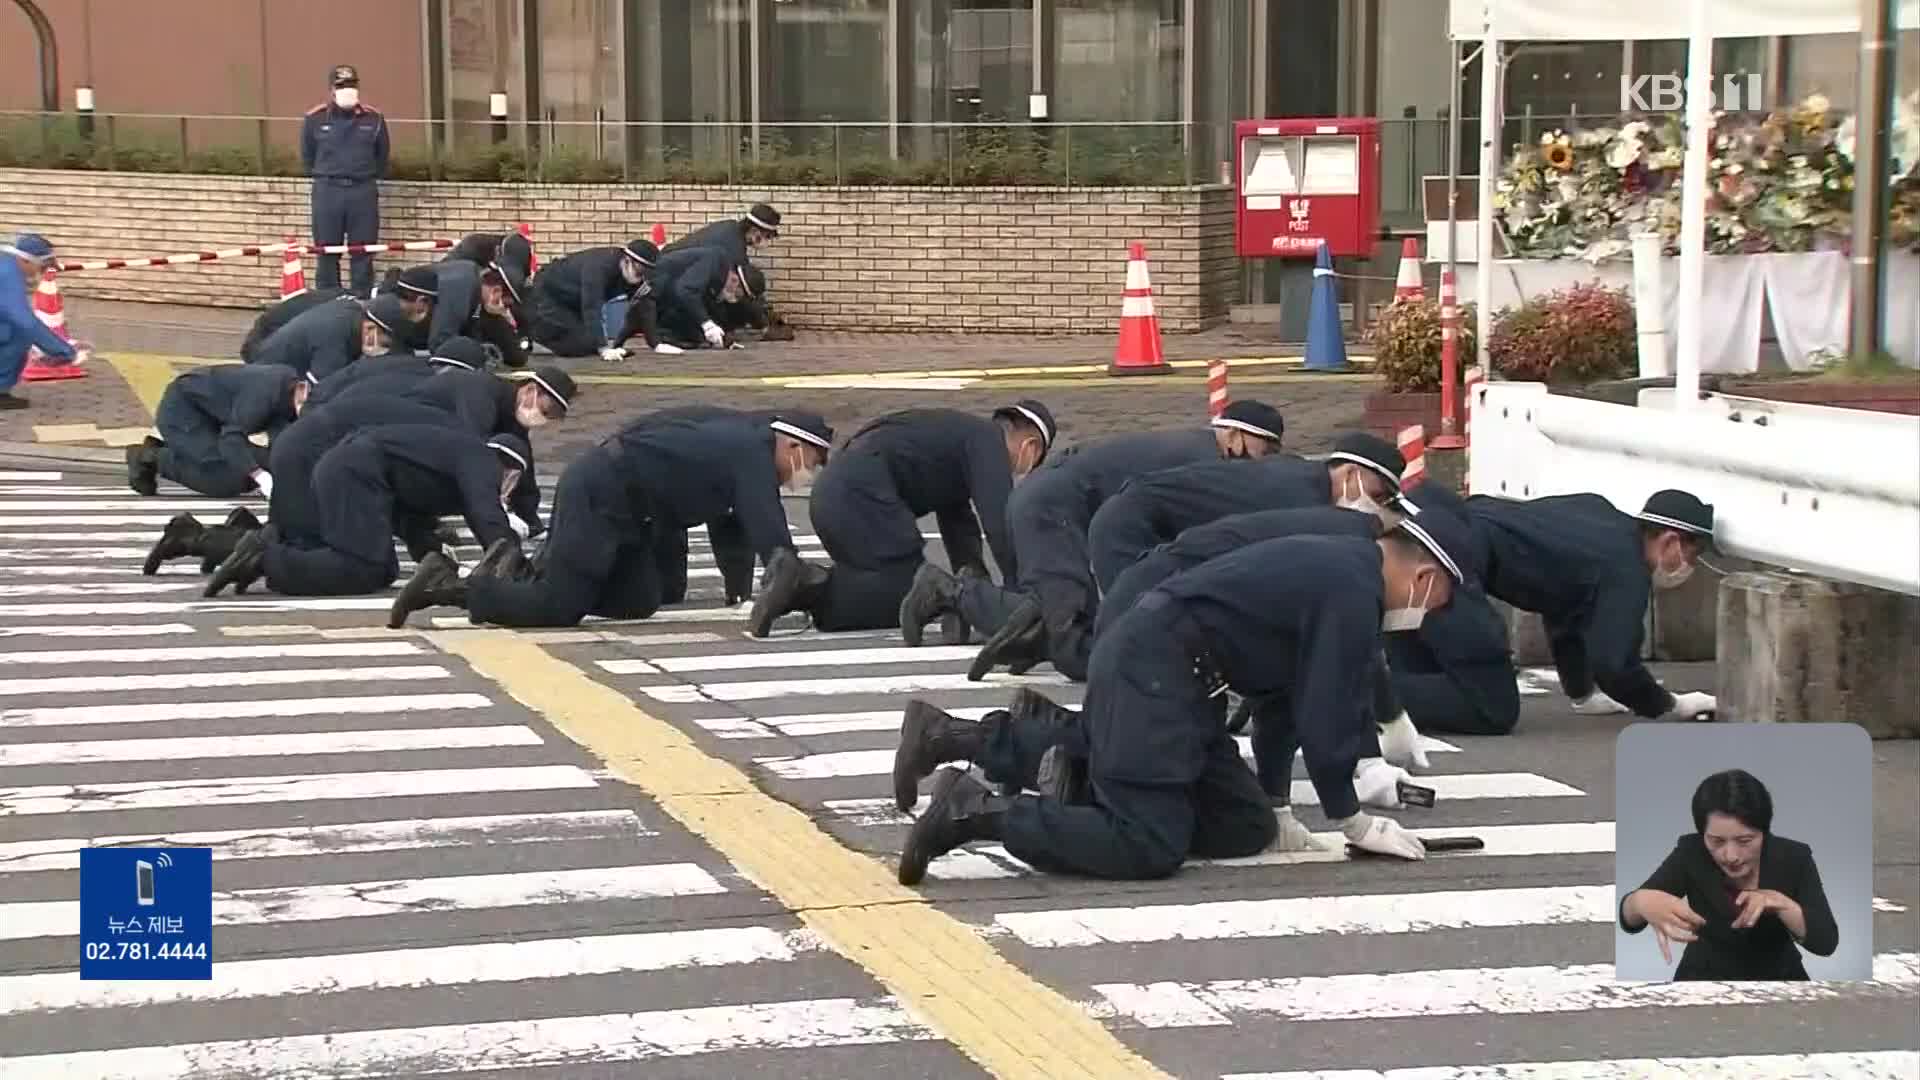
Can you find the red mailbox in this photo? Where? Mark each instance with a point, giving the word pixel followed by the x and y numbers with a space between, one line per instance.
pixel 1304 180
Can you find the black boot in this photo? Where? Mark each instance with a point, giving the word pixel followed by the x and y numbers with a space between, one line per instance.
pixel 789 585
pixel 954 628
pixel 1031 704
pixel 934 594
pixel 241 568
pixel 929 738
pixel 502 560
pixel 143 467
pixel 180 539
pixel 435 583
pixel 239 518
pixel 1021 643
pixel 961 809
pixel 1062 774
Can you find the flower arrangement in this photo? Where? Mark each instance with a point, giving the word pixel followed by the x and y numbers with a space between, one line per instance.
pixel 1779 183
pixel 1577 335
pixel 1406 344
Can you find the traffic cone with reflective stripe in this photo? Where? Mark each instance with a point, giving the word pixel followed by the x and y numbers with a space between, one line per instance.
pixel 659 236
pixel 1409 285
pixel 1216 388
pixel 526 233
pixel 52 313
pixel 1139 350
pixel 1413 450
pixel 293 273
pixel 1326 343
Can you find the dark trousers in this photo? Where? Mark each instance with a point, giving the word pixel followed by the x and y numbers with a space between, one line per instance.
pixel 352 553
pixel 1048 519
pixel 679 325
pixel 345 212
pixel 560 330
pixel 874 541
pixel 295 454
pixel 309 568
pixel 192 455
pixel 1455 675
pixel 1167 781
pixel 599 560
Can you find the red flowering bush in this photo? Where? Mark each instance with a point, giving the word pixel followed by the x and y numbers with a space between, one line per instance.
pixel 1583 334
pixel 1406 345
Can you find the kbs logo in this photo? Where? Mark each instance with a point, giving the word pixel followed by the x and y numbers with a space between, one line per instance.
pixel 1668 93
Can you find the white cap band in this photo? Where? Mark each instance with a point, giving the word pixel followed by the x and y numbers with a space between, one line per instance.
pixel 800 433
pixel 548 387
pixel 754 219
pixel 1674 523
pixel 1046 433
pixel 1367 463
pixel 451 362
pixel 1242 425
pixel 1433 547
pixel 510 452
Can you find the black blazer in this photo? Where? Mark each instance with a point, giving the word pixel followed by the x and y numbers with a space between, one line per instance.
pixel 1764 952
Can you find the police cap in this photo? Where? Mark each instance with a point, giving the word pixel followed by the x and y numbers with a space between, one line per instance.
pixel 419 281
pixel 510 278
pixel 1680 511
pixel 642 251
pixel 460 352
pixel 513 448
pixel 1256 418
pixel 809 428
pixel 557 383
pixel 1448 539
pixel 1370 452
pixel 343 75
pixel 765 218
pixel 1029 411
pixel 385 312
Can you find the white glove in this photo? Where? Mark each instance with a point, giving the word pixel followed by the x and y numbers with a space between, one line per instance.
pixel 1377 783
pixel 1400 743
pixel 264 481
pixel 1598 704
pixel 611 353
pixel 668 350
pixel 1293 835
pixel 1382 836
pixel 715 336
pixel 82 352
pixel 448 552
pixel 520 528
pixel 1687 706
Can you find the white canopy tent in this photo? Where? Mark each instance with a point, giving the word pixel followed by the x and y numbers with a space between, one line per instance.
pixel 1490 22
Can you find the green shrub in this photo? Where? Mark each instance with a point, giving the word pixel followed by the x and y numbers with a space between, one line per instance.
pixel 1578 335
pixel 1406 345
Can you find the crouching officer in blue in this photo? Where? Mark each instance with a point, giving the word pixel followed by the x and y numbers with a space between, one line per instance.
pixel 476 301
pixel 1296 620
pixel 344 146
pixel 695 288
pixel 1048 518
pixel 370 487
pixel 568 312
pixel 207 419
pixel 612 507
pixel 866 510
pixel 739 238
pixel 327 337
pixel 414 286
pixel 508 249
pixel 1589 570
pixel 398 371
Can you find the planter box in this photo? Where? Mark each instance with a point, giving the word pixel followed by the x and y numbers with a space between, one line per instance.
pixel 1889 395
pixel 1386 413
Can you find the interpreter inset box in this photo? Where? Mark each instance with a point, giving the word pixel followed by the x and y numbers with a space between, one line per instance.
pixel 1743 853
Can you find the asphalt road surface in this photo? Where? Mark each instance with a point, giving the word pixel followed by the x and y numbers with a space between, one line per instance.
pixel 530 855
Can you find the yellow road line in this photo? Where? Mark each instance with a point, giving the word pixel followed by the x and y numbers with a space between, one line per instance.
pixel 147 375
pixel 996 1014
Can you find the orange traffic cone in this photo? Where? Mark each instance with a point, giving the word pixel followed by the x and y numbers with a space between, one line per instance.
pixel 52 312
pixel 1408 285
pixel 1139 350
pixel 293 273
pixel 1413 450
pixel 659 235
pixel 526 231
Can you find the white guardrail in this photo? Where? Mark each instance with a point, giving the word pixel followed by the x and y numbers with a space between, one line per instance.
pixel 1832 492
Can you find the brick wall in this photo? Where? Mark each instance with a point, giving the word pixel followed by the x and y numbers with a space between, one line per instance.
pixel 1010 260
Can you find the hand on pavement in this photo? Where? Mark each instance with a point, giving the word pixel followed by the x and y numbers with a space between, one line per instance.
pixel 611 353
pixel 1598 704
pixel 264 481
pixel 520 528
pixel 1293 835
pixel 1378 784
pixel 1400 743
pixel 668 350
pixel 1689 705
pixel 448 552
pixel 715 336
pixel 1382 836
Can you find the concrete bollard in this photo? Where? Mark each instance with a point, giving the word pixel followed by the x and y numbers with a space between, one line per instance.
pixel 1803 650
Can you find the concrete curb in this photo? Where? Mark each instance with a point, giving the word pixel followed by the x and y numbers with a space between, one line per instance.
pixel 82 458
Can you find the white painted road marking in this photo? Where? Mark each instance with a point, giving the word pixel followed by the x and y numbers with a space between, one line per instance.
pixel 65 715
pixel 1456 786
pixel 202 680
pixel 1865 1065
pixel 390 740
pixel 310 787
pixel 918 682
pixel 792 658
pixel 96 630
pixel 159 655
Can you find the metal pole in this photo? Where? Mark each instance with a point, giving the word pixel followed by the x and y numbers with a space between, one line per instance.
pixel 1870 168
pixel 1449 436
pixel 1693 208
pixel 1490 63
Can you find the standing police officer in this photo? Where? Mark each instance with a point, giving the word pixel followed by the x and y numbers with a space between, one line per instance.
pixel 344 147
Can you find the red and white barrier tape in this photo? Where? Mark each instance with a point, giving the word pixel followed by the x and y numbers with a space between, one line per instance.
pixel 259 249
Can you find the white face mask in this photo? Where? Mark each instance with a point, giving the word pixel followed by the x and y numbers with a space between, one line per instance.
pixel 1665 578
pixel 1406 619
pixel 1359 500
pixel 346 97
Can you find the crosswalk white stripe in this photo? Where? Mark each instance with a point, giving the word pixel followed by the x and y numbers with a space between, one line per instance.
pixel 356 838
pixel 390 740
pixel 788 658
pixel 129 571
pixel 215 507
pixel 29 474
pixel 1498 991
pixel 307 787
pixel 518 1046
pixel 168 654
pixel 222 606
pixel 916 682
pixel 73 715
pixel 155 521
pixel 1371 913
pixel 50 554
pixel 201 680
pixel 414 969
pixel 175 583
pixel 96 630
pixel 367 899
pixel 1855 1065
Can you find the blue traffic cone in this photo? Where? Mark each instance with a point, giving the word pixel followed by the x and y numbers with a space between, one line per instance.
pixel 1326 345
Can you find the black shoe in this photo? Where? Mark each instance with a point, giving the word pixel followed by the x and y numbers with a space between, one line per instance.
pixel 960 809
pixel 933 594
pixel 502 560
pixel 143 469
pixel 242 567
pixel 1062 777
pixel 181 538
pixel 929 738
pixel 954 628
pixel 1031 704
pixel 1022 640
pixel 241 518
pixel 447 536
pixel 788 585
pixel 435 583
pixel 11 401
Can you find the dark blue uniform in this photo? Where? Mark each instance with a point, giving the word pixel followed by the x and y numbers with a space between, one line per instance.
pixel 686 292
pixel 345 151
pixel 207 416
pixel 281 314
pixel 565 313
pixel 318 341
pixel 479 402
pixel 365 487
pixel 295 454
pixel 612 506
pixel 1154 509
pixel 866 508
pixel 728 236
pixel 457 312
pixel 484 249
pixel 1294 620
pixel 1048 518
pixel 732 555
pixel 392 371
pixel 1578 563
